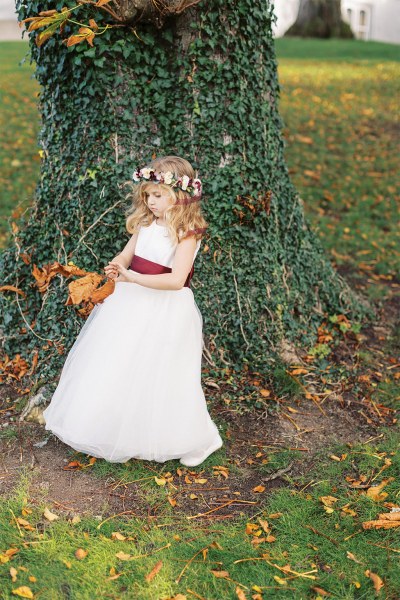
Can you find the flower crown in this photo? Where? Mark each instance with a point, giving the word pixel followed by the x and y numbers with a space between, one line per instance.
pixel 193 187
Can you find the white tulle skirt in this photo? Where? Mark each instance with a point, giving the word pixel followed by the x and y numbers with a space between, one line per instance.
pixel 131 384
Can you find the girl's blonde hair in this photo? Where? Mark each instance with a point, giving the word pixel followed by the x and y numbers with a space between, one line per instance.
pixel 180 219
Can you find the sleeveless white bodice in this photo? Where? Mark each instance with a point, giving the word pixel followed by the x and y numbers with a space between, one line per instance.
pixel 154 243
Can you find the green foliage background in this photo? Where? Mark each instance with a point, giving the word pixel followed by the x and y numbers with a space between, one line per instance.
pixel 262 275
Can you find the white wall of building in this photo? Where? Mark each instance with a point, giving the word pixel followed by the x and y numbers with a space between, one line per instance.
pixel 377 20
pixel 9 28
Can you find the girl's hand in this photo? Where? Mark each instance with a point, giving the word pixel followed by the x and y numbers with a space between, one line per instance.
pixel 111 271
pixel 119 272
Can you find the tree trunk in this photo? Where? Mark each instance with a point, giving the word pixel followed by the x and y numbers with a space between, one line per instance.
pixel 320 19
pixel 203 87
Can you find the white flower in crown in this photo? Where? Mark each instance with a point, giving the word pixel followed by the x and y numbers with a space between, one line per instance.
pixel 185 181
pixel 135 176
pixel 168 177
pixel 146 173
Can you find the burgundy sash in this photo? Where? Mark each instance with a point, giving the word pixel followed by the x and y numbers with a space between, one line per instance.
pixel 148 267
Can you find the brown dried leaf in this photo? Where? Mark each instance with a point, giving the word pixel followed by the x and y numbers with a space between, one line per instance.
pixel 377 581
pixel 25 524
pixel 375 491
pixel 154 571
pixel 100 293
pixel 82 289
pixel 240 593
pixel 320 591
pixel 259 488
pixel 12 288
pixel 220 574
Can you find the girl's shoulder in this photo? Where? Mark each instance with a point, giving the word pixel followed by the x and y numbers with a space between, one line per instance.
pixel 189 233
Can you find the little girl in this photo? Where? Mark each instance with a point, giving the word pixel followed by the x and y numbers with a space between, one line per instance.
pixel 131 384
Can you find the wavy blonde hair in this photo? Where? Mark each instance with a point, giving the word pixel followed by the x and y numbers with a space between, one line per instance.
pixel 181 219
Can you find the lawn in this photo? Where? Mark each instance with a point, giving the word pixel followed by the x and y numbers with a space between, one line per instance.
pixel 282 510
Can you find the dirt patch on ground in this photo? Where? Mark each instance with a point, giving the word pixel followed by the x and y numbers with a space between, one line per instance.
pixel 82 492
pixel 250 440
pixel 251 437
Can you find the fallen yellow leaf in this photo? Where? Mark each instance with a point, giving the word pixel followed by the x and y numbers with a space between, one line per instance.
pixel 75 519
pixel 113 575
pixel 160 480
pixel 328 500
pixel 116 535
pixel 123 556
pixel 23 591
pixel 49 515
pixel 351 556
pixel 280 580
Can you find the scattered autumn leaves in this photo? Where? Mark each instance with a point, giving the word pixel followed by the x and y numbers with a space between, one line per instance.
pixel 53 20
pixel 85 290
pixel 261 531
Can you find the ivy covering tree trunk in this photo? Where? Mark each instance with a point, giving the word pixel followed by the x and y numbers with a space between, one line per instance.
pixel 204 86
pixel 320 19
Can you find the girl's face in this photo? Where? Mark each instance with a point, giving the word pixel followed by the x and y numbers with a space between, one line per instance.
pixel 157 199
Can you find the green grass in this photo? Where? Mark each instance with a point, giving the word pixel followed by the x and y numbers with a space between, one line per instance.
pixel 19 122
pixel 333 49
pixel 342 131
pixel 302 533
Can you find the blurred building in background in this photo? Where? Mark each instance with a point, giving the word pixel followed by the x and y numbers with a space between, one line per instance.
pixel 9 29
pixel 377 20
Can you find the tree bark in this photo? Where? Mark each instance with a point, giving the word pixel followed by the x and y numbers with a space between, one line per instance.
pixel 320 19
pixel 204 87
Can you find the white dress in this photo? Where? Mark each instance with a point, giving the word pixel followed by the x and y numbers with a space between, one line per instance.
pixel 131 384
